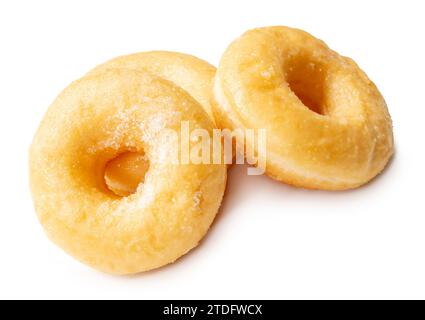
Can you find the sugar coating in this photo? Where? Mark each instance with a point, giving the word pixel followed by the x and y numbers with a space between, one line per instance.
pixel 188 72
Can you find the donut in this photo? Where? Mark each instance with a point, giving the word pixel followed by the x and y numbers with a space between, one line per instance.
pixel 328 126
pixel 194 75
pixel 92 122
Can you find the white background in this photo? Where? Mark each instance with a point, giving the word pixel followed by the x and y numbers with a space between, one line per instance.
pixel 269 240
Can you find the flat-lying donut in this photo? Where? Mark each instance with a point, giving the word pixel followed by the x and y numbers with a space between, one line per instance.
pixel 327 125
pixel 92 122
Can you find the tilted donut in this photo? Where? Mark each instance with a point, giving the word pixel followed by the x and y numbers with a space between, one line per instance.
pixel 93 121
pixel 327 125
pixel 194 75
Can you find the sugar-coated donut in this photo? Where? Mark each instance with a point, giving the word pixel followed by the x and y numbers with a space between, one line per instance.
pixel 92 122
pixel 327 125
pixel 194 75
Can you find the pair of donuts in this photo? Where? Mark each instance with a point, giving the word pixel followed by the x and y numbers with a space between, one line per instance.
pixel 101 192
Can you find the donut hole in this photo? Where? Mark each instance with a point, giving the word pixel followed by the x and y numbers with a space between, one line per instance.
pixel 126 172
pixel 306 79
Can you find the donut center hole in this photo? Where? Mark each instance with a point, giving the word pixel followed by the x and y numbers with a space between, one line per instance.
pixel 306 80
pixel 126 172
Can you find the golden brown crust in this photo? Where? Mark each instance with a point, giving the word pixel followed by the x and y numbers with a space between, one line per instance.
pixel 91 122
pixel 268 77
